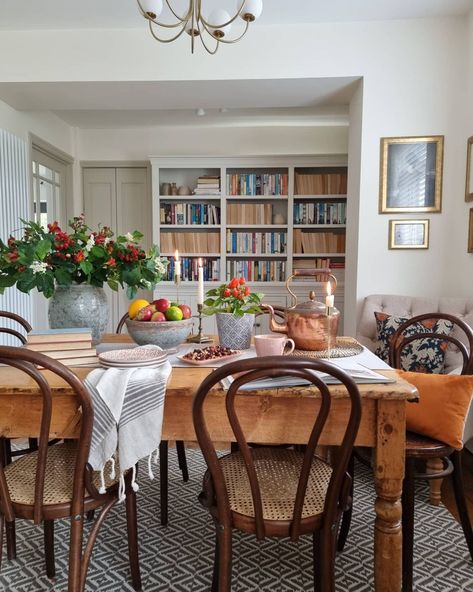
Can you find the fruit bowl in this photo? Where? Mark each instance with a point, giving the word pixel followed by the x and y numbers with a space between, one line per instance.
pixel 167 335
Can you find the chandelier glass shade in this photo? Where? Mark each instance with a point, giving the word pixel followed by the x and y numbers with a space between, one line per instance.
pixel 212 30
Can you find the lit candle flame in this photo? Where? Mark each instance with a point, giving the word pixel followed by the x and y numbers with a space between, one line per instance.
pixel 176 255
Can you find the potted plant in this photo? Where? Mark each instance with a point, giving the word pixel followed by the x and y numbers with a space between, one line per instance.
pixel 72 267
pixel 235 307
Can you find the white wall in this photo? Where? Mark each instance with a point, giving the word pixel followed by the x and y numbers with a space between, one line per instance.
pixel 414 83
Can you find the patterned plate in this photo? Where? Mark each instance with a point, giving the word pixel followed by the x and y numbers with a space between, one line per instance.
pixel 132 357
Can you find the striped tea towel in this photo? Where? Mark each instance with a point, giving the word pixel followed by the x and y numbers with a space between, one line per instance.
pixel 128 417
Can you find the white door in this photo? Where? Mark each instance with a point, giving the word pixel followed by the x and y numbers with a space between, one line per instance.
pixel 119 198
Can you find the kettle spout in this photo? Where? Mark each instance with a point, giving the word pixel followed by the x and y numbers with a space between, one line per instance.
pixel 273 324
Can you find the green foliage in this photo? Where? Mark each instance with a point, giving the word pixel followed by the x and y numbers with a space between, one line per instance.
pixel 234 297
pixel 43 258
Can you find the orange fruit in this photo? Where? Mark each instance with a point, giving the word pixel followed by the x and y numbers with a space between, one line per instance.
pixel 136 306
pixel 174 313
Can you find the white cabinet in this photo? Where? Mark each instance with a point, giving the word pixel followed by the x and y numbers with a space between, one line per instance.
pixel 119 197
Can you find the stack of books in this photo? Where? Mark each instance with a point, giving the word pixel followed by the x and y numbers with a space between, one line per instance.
pixel 208 185
pixel 71 347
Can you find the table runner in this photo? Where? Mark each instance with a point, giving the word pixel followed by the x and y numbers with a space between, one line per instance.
pixel 128 416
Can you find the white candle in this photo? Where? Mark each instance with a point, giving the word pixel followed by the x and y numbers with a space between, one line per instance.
pixel 329 299
pixel 177 265
pixel 200 288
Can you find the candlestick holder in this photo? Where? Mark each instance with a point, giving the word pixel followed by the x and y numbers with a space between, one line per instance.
pixel 329 332
pixel 200 337
pixel 177 283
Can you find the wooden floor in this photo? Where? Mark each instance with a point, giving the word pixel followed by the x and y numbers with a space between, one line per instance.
pixel 447 490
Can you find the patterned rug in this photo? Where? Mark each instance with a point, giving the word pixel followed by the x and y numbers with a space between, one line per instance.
pixel 179 558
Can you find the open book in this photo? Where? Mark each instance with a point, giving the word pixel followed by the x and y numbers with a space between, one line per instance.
pixel 360 374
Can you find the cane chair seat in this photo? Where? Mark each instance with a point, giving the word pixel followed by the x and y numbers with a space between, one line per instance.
pixel 58 484
pixel 278 473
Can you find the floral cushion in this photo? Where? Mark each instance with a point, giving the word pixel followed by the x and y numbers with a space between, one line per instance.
pixel 423 355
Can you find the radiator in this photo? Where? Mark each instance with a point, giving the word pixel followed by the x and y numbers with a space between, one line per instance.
pixel 14 204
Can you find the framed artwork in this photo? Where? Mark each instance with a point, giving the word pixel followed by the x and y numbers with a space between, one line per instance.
pixel 411 174
pixel 470 232
pixel 408 234
pixel 469 171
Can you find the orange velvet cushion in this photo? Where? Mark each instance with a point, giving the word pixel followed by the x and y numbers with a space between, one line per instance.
pixel 442 407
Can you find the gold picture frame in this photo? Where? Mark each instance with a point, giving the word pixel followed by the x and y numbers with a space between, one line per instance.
pixel 470 232
pixel 409 234
pixel 411 174
pixel 469 170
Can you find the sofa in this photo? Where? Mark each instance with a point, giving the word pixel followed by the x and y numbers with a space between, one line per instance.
pixel 409 306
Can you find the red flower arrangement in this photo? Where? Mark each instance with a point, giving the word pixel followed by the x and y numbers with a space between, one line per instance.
pixel 235 298
pixel 42 259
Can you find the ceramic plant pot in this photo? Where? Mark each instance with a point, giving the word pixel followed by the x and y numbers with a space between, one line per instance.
pixel 235 332
pixel 79 305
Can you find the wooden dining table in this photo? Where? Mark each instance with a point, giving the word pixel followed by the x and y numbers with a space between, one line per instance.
pixel 276 416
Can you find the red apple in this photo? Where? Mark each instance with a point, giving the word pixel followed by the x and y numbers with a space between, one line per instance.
pixel 145 313
pixel 162 304
pixel 158 317
pixel 186 311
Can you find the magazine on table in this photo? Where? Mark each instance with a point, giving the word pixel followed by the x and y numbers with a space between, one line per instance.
pixel 360 374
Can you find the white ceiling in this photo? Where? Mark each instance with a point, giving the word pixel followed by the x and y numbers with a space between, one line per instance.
pixel 70 14
pixel 129 104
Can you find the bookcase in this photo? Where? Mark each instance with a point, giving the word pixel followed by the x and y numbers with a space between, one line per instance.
pixel 257 217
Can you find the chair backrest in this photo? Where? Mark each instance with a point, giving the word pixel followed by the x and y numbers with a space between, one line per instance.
pixel 28 361
pixel 404 336
pixel 121 323
pixel 4 314
pixel 248 370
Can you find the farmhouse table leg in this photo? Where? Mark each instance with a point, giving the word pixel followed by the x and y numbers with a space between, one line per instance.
pixel 389 473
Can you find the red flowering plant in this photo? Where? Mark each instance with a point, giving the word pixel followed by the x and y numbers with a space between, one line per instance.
pixel 235 298
pixel 44 259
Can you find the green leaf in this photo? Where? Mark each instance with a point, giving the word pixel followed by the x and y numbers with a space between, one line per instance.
pixel 209 302
pixel 43 248
pixel 131 276
pixel 86 267
pixel 98 252
pixel 27 281
pixel 131 292
pixel 63 277
pixel 6 281
pixel 113 284
pixel 209 311
pixel 137 235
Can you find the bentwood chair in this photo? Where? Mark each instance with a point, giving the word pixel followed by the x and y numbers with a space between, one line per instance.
pixel 56 481
pixel 163 457
pixel 269 491
pixel 423 448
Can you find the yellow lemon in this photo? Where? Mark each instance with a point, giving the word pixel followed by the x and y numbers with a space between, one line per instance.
pixel 136 306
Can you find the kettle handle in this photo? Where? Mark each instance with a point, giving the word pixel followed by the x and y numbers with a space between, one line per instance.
pixel 329 277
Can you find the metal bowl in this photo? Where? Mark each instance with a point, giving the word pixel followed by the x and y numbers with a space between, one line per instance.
pixel 168 334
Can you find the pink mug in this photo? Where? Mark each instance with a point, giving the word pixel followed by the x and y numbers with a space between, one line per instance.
pixel 273 345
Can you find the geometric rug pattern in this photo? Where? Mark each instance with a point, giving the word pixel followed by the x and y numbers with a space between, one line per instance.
pixel 179 558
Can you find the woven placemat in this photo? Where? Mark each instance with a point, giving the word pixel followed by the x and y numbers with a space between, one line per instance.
pixel 344 347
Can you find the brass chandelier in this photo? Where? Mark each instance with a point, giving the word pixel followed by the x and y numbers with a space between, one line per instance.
pixel 215 27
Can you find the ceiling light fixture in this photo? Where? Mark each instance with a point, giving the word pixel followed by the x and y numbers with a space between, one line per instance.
pixel 217 26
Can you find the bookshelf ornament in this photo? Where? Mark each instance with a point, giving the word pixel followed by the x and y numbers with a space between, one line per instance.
pixel 216 28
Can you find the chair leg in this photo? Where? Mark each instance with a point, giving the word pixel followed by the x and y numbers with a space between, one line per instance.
pixel 459 490
pixel 132 532
pixel 435 465
pixel 347 514
pixel 75 555
pixel 2 525
pixel 181 457
pixel 6 452
pixel 214 587
pixel 224 541
pixel 317 560
pixel 327 554
pixel 408 497
pixel 11 540
pixel 163 481
pixel 49 548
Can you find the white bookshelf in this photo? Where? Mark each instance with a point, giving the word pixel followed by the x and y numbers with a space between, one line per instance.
pixel 186 170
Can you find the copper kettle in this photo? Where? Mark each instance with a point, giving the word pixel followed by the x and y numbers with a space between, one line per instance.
pixel 308 323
